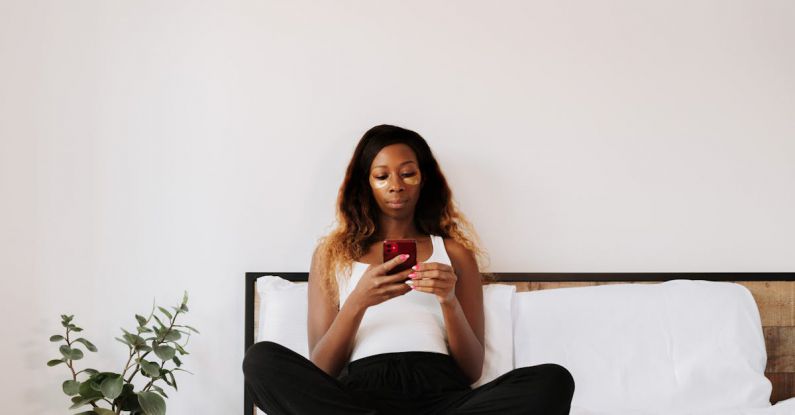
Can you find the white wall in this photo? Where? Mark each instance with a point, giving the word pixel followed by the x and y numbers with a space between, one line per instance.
pixel 149 147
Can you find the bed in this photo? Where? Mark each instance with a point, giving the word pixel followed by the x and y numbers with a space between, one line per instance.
pixel 636 343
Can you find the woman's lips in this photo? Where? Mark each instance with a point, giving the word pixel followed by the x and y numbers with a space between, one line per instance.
pixel 396 205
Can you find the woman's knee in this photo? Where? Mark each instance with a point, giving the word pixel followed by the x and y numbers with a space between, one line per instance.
pixel 555 376
pixel 260 355
pixel 559 378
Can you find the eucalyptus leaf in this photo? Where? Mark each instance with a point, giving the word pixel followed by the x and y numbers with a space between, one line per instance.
pixel 152 403
pixel 111 387
pixel 166 313
pixel 55 362
pixel 82 401
pixel 159 390
pixel 150 368
pixel 90 346
pixel 172 336
pixel 56 338
pixel 103 411
pixel 71 354
pixel 164 352
pixel 190 328
pixel 71 387
pixel 89 391
pixel 141 320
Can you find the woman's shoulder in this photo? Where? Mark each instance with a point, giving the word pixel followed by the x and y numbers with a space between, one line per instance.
pixel 456 251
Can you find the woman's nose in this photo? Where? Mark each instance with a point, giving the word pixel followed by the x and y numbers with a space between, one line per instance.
pixel 395 184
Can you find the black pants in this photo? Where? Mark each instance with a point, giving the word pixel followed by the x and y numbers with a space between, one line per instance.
pixel 281 381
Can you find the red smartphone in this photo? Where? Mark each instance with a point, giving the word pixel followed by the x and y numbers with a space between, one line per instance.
pixel 395 247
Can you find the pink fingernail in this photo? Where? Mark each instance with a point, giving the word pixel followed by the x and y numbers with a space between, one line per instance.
pixel 416 267
pixel 412 275
pixel 404 256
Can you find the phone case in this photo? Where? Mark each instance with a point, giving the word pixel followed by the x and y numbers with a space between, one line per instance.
pixel 395 247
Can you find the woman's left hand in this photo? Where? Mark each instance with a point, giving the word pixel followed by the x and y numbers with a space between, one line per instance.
pixel 436 278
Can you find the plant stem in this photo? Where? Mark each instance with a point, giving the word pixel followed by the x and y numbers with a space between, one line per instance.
pixel 155 343
pixel 70 362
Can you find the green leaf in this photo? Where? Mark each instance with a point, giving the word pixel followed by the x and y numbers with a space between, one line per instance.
pixel 165 312
pixel 88 390
pixel 150 369
pixel 90 346
pixel 103 411
pixel 71 354
pixel 56 338
pixel 82 401
pixel 189 328
pixel 172 336
pixel 177 361
pixel 185 298
pixel 152 403
pixel 159 390
pixel 182 370
pixel 174 381
pixel 181 350
pixel 89 371
pixel 164 352
pixel 111 387
pixel 71 387
pixel 183 308
pixel 76 329
pixel 55 362
pixel 160 322
pixel 141 320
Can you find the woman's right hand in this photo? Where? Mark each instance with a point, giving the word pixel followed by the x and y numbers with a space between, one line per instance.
pixel 376 286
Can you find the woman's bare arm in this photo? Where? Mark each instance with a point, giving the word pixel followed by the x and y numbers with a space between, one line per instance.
pixel 330 331
pixel 464 318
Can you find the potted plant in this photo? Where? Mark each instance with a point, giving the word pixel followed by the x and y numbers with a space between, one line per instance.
pixel 154 345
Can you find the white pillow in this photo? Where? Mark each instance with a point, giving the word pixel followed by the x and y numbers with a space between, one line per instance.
pixel 670 348
pixel 283 317
pixel 283 313
pixel 498 328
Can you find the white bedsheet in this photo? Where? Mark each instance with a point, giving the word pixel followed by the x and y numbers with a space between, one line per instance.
pixel 785 407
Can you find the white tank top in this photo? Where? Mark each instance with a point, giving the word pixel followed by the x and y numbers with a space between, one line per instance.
pixel 406 323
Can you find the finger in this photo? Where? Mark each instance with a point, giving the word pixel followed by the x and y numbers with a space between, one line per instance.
pixel 393 290
pixel 399 277
pixel 392 263
pixel 423 266
pixel 434 273
pixel 429 283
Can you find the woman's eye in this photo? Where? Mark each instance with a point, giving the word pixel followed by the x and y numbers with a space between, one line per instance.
pixel 404 175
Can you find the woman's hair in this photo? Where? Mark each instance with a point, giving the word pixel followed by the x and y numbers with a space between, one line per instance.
pixel 358 213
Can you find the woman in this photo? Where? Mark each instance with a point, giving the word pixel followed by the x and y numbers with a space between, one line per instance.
pixel 409 342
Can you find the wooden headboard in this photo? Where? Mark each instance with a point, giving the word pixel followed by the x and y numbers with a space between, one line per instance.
pixel 774 293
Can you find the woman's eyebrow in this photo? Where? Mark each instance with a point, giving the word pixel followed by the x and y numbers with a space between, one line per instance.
pixel 407 161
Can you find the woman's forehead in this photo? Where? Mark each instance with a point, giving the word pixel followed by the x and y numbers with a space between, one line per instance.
pixel 394 155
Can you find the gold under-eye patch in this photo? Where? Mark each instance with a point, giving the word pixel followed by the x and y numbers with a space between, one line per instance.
pixel 379 184
pixel 413 180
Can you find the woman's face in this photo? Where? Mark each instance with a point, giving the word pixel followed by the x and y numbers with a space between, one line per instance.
pixel 395 180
